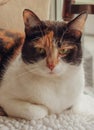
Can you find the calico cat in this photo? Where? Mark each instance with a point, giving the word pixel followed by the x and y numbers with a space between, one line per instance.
pixel 47 75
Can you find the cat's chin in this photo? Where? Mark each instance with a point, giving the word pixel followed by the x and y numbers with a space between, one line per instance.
pixel 48 73
pixel 51 75
pixel 54 74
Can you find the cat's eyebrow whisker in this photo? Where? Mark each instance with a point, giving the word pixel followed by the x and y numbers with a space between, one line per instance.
pixel 36 39
pixel 61 37
pixel 42 34
pixel 55 41
pixel 41 31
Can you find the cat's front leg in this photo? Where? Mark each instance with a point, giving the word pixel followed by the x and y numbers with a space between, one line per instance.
pixel 26 110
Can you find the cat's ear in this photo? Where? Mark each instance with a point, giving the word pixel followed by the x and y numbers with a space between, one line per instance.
pixel 78 22
pixel 30 19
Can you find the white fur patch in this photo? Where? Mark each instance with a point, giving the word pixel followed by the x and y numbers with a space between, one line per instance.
pixel 33 91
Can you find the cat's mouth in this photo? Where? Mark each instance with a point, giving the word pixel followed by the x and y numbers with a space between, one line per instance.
pixel 51 72
pixel 56 71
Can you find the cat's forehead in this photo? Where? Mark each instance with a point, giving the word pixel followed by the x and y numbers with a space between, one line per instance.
pixel 44 29
pixel 54 24
pixel 57 27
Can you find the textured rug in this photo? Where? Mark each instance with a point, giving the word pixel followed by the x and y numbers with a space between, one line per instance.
pixel 65 121
pixel 68 120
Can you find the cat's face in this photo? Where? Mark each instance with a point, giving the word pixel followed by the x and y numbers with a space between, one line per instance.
pixel 50 48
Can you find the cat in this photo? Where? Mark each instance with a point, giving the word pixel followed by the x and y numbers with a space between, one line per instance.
pixel 46 75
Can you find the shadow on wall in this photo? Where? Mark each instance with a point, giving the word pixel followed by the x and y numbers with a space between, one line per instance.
pixel 2 2
pixel 11 12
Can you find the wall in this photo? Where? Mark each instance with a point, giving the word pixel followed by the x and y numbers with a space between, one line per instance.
pixel 11 13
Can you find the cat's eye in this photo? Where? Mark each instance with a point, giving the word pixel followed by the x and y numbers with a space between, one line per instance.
pixel 63 51
pixel 40 50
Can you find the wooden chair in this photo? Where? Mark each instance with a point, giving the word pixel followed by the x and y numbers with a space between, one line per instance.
pixel 71 7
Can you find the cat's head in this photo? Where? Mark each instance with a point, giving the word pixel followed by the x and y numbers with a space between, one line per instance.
pixel 51 47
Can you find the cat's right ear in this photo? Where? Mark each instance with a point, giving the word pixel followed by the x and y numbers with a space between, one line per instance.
pixel 30 19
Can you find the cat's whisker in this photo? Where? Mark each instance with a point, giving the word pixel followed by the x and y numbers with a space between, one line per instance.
pixel 43 34
pixel 35 65
pixel 22 74
pixel 26 72
pixel 27 67
pixel 36 39
pixel 31 67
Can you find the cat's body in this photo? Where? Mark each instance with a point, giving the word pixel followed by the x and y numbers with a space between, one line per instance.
pixel 47 76
pixel 56 93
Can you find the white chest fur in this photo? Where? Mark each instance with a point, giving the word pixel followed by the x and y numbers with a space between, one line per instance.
pixel 54 92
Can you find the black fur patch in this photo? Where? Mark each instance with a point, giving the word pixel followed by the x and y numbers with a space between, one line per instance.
pixel 29 53
pixel 61 34
pixel 73 37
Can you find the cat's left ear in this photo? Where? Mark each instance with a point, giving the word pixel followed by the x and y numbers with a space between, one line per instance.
pixel 78 22
pixel 30 19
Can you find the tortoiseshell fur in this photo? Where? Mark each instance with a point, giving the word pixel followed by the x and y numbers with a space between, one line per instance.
pixel 62 36
pixel 47 76
pixel 10 44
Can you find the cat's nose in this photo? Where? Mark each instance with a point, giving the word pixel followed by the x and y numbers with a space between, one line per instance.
pixel 51 66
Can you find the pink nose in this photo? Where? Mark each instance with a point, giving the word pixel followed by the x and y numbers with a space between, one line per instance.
pixel 51 66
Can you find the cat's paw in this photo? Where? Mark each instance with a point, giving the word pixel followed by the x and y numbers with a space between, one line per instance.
pixel 31 111
pixel 85 105
pixel 36 112
pixel 25 110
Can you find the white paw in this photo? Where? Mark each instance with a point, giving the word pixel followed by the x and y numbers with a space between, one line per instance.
pixel 35 112
pixel 25 110
pixel 85 105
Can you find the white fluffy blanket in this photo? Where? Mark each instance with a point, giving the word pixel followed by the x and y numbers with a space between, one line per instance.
pixel 68 120
pixel 65 121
